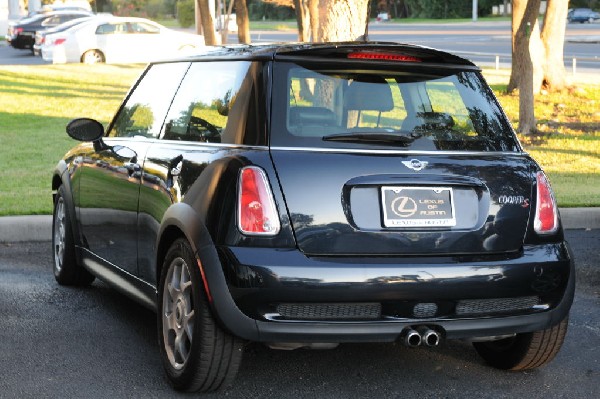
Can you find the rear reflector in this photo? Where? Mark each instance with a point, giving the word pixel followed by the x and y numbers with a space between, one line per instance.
pixel 546 214
pixel 257 214
pixel 363 55
pixel 59 41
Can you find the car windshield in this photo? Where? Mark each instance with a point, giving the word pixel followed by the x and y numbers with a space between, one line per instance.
pixel 417 109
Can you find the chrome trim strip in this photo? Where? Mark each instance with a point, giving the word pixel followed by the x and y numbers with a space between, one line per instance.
pixel 397 152
pixel 154 140
pixel 321 149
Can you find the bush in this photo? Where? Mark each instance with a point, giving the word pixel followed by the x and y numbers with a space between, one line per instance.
pixel 185 13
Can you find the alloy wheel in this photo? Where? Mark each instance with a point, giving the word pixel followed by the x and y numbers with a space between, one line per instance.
pixel 178 313
pixel 59 233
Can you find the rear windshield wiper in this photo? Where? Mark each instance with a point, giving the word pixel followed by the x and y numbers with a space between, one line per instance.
pixel 376 138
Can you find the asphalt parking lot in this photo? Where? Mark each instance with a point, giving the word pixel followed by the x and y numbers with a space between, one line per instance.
pixel 95 343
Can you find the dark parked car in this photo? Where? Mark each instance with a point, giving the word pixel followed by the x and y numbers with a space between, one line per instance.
pixel 310 195
pixel 583 15
pixel 21 35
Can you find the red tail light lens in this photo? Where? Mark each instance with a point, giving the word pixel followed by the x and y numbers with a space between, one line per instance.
pixel 257 214
pixel 546 214
pixel 59 41
pixel 364 55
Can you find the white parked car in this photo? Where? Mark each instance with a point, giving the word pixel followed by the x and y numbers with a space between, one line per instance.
pixel 119 40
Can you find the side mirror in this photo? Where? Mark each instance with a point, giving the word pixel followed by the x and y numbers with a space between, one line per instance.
pixel 85 129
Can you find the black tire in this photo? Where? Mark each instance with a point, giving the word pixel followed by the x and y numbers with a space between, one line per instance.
pixel 524 351
pixel 206 358
pixel 66 269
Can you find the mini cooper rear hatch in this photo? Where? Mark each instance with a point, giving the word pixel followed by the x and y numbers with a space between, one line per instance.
pixel 311 195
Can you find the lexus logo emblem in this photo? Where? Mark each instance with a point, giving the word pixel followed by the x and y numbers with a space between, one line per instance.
pixel 404 207
pixel 415 164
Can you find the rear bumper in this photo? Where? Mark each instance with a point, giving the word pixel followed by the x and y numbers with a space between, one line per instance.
pixel 259 278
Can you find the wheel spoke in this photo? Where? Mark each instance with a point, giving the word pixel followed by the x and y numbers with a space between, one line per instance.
pixel 173 292
pixel 181 347
pixel 188 325
pixel 169 319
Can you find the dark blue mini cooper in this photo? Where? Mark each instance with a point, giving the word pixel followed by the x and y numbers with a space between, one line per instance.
pixel 310 195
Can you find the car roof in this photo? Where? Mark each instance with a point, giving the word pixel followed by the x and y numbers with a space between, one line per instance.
pixel 376 51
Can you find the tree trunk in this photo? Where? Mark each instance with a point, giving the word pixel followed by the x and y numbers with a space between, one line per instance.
pixel 526 44
pixel 313 11
pixel 303 19
pixel 342 20
pixel 208 26
pixel 505 9
pixel 553 39
pixel 525 28
pixel 243 22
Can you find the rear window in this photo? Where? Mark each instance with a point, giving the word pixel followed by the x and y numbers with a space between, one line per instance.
pixel 357 108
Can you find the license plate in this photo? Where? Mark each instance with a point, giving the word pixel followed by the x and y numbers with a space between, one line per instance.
pixel 418 207
pixel 29 34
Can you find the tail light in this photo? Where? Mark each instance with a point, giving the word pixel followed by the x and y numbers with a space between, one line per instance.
pixel 546 213
pixel 17 31
pixel 380 56
pixel 59 41
pixel 257 214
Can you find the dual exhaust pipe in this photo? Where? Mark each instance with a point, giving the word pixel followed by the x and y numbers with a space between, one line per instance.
pixel 422 335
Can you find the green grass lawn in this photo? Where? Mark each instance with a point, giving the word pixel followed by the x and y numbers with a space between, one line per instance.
pixel 36 103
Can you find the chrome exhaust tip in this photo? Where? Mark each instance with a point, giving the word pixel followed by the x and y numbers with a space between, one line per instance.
pixel 412 338
pixel 429 337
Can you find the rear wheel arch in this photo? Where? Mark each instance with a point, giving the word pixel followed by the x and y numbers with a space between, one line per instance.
pixel 181 221
pixel 168 237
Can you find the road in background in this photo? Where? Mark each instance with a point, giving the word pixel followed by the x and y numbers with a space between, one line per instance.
pixel 60 342
pixel 480 42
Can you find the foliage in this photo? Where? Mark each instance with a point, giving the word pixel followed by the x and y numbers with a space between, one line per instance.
pixel 439 8
pixel 258 10
pixel 159 8
pixel 593 4
pixel 186 13
pixel 129 8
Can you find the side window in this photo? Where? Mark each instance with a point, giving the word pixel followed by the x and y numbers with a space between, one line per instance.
pixel 212 103
pixel 55 20
pixel 144 111
pixel 109 29
pixel 141 27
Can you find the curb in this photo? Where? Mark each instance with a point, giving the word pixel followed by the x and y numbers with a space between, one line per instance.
pixel 39 227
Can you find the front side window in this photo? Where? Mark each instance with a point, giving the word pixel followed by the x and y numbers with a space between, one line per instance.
pixel 110 29
pixel 141 27
pixel 144 111
pixel 215 104
pixel 325 106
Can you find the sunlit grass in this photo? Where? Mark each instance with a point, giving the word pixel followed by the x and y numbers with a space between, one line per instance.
pixel 36 103
pixel 568 144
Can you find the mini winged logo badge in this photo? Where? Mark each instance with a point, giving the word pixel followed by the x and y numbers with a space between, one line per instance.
pixel 415 164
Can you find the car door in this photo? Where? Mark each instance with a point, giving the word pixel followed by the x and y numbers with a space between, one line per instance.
pixel 110 183
pixel 212 118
